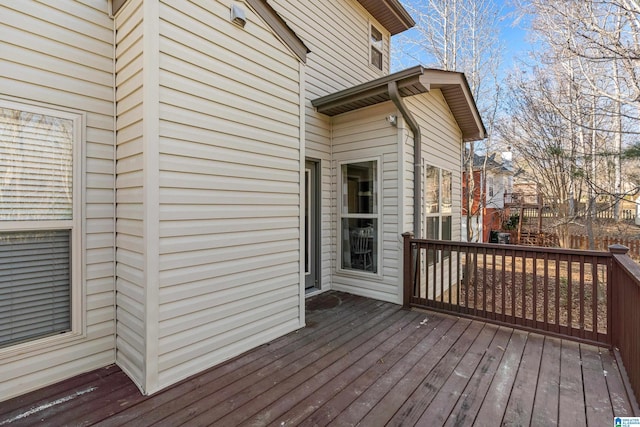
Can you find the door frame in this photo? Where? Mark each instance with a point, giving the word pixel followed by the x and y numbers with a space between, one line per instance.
pixel 312 244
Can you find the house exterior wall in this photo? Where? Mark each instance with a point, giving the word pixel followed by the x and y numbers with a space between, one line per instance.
pixel 130 187
pixel 60 56
pixel 209 171
pixel 334 63
pixel 441 147
pixel 229 187
pixel 366 135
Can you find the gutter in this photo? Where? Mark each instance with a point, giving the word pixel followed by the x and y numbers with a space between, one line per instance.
pixel 394 94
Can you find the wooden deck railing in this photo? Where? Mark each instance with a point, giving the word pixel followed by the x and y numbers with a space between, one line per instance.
pixel 556 291
pixel 625 315
pixel 587 296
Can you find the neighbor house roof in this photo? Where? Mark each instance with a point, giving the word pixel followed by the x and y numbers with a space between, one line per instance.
pixel 389 13
pixel 412 81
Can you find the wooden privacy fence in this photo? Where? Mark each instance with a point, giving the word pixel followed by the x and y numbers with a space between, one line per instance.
pixel 603 243
pixel 579 242
pixel 586 296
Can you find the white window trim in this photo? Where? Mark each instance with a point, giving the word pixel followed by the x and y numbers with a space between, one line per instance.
pixel 356 273
pixel 75 225
pixel 438 214
pixel 381 48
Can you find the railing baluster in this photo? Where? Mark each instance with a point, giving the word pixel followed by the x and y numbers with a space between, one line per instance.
pixel 534 285
pixel 450 281
pixel 467 273
pixel 569 295
pixel 436 253
pixel 503 286
pixel 558 282
pixel 513 286
pixel 545 315
pixel 524 289
pixel 493 283
pixel 594 297
pixel 475 282
pixel 484 280
pixel 582 296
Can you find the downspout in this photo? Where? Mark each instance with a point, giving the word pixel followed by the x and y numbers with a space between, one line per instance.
pixel 394 94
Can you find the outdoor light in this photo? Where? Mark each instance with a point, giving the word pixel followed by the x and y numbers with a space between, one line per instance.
pixel 238 16
pixel 393 120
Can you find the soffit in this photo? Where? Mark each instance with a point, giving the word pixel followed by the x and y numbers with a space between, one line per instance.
pixel 410 82
pixel 390 14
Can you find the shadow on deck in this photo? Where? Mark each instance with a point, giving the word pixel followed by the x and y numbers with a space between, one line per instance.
pixel 360 361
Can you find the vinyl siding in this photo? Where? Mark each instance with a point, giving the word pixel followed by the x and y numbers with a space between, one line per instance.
pixel 334 63
pixel 229 187
pixel 130 187
pixel 365 134
pixel 441 147
pixel 60 54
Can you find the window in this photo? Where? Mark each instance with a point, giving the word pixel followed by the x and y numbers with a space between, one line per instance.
pixel 39 221
pixel 490 186
pixel 438 204
pixel 359 216
pixel 375 42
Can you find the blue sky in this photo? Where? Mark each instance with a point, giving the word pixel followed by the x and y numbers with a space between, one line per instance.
pixel 513 34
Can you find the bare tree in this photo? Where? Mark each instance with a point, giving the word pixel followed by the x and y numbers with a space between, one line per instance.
pixel 546 151
pixel 601 41
pixel 459 35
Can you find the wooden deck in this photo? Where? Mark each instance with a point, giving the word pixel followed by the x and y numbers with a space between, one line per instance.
pixel 360 361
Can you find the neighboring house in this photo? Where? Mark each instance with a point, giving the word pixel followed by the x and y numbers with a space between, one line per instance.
pixel 178 175
pixel 492 182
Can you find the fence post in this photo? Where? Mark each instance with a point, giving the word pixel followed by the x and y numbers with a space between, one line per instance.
pixel 407 255
pixel 613 298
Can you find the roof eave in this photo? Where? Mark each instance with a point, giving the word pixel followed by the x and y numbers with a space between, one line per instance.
pixel 389 13
pixel 412 81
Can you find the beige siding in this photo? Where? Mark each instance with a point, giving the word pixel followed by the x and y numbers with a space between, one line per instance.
pixel 229 187
pixel 130 255
pixel 366 134
pixel 335 63
pixel 60 54
pixel 441 144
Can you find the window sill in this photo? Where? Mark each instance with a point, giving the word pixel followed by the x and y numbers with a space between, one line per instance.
pixel 40 346
pixel 358 274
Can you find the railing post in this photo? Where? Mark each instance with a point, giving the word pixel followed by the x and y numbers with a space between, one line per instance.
pixel 613 299
pixel 407 255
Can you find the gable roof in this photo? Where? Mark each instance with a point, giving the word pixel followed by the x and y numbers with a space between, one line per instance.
pixel 390 13
pixel 412 81
pixel 270 17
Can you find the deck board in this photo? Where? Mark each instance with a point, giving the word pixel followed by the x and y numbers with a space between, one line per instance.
pixel 420 376
pixel 439 408
pixel 571 404
pixel 520 403
pixel 545 405
pixel 473 395
pixel 360 361
pixel 596 394
pixel 495 401
pixel 308 397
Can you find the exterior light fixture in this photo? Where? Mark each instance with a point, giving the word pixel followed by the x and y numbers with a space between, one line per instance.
pixel 238 15
pixel 392 119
